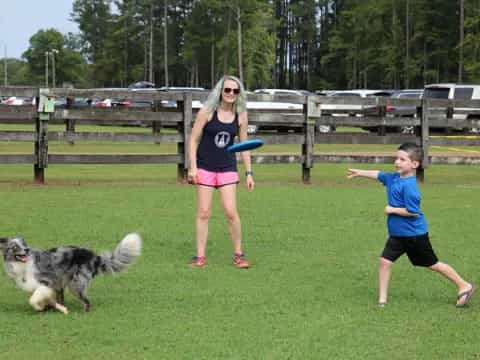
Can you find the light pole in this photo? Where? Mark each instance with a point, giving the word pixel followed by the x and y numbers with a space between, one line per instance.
pixel 46 68
pixel 5 82
pixel 53 52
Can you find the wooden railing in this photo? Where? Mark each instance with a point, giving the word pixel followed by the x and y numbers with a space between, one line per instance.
pixel 297 126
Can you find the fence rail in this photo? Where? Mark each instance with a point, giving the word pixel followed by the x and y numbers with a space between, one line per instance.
pixel 297 124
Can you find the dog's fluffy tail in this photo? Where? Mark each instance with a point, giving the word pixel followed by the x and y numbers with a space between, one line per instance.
pixel 123 256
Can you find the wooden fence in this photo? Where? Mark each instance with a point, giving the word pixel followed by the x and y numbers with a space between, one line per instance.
pixel 298 126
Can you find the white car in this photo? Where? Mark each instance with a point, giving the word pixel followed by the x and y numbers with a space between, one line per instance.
pixel 342 109
pixel 274 105
pixel 455 92
pixel 173 104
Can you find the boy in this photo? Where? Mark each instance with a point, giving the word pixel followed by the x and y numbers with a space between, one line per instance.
pixel 407 227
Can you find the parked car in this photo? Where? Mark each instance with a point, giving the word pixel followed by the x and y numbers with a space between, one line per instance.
pixel 266 105
pixel 80 102
pixel 19 100
pixel 121 102
pixel 456 92
pixel 282 92
pixel 173 104
pixel 324 92
pixel 353 109
pixel 102 103
pixel 132 103
pixel 60 102
pixel 142 85
pixel 404 110
pixel 274 105
pixel 350 109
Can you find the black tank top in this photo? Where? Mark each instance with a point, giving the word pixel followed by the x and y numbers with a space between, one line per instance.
pixel 212 154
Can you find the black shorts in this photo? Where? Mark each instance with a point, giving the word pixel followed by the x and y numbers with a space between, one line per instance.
pixel 418 249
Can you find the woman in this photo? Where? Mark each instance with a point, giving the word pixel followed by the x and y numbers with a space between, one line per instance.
pixel 223 117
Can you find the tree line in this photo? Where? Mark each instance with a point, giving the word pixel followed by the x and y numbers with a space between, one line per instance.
pixel 298 44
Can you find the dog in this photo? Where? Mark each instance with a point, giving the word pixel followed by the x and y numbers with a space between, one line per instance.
pixel 46 273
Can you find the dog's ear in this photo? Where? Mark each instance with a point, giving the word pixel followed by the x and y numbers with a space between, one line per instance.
pixel 3 241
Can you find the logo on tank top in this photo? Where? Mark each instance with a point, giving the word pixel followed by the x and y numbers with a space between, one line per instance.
pixel 222 139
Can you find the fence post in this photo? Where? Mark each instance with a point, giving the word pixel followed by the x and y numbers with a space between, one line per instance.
pixel 424 138
pixel 449 116
pixel 156 125
pixel 45 108
pixel 382 113
pixel 185 128
pixel 70 124
pixel 311 110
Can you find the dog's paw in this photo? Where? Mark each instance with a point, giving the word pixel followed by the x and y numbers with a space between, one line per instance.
pixel 61 308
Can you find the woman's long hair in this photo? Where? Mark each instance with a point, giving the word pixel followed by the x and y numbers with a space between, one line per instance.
pixel 215 97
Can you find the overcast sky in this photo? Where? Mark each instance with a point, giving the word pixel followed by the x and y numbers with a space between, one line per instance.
pixel 20 19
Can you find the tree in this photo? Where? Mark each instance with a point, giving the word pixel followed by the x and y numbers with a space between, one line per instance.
pixel 471 44
pixel 70 67
pixel 17 71
pixel 94 20
pixel 258 45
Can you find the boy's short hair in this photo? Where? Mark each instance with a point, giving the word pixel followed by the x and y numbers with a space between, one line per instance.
pixel 414 151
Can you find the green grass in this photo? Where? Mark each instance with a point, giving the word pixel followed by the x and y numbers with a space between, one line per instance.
pixel 310 294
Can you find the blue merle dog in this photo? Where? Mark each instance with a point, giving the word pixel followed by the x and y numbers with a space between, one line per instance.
pixel 46 273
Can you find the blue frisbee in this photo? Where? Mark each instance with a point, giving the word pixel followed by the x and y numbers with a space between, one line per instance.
pixel 245 145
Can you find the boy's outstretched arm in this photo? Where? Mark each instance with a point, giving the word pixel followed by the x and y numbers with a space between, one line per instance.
pixel 371 174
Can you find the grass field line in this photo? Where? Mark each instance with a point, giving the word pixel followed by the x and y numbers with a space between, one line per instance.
pixel 456 149
pixel 455 136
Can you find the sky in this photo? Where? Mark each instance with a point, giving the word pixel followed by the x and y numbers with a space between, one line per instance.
pixel 20 19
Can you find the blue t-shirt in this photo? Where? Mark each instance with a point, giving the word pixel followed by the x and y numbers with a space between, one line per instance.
pixel 403 193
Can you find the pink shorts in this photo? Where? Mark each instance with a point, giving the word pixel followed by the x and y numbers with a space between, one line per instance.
pixel 216 179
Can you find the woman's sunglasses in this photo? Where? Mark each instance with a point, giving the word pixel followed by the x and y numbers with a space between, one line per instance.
pixel 229 90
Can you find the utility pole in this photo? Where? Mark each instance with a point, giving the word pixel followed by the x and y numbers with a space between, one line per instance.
pixel 46 68
pixel 5 82
pixel 52 53
pixel 150 60
pixel 407 45
pixel 462 35
pixel 239 41
pixel 165 39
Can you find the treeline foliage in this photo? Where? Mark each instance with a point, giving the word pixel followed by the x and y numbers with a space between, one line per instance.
pixel 311 44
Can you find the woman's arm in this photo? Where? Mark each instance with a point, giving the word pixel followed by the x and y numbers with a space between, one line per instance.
pixel 243 135
pixel 200 122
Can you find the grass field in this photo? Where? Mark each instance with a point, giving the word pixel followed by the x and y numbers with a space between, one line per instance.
pixel 310 294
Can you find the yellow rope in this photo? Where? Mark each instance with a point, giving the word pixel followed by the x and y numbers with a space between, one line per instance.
pixel 455 149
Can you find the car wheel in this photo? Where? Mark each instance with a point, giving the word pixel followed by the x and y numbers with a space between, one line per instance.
pixel 407 130
pixel 252 129
pixel 325 129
